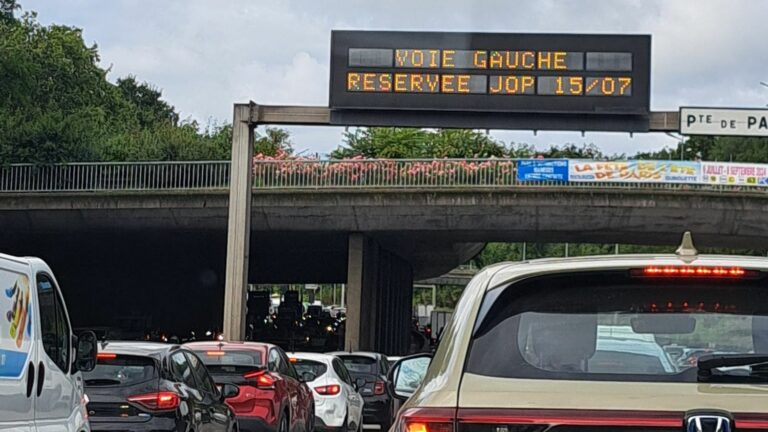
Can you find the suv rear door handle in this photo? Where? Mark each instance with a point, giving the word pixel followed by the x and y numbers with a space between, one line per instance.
pixel 40 378
pixel 30 379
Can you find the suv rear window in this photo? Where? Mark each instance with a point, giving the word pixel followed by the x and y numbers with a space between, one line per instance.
pixel 316 368
pixel 359 364
pixel 613 326
pixel 121 371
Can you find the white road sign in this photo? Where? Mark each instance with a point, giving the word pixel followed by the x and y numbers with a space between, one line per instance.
pixel 724 121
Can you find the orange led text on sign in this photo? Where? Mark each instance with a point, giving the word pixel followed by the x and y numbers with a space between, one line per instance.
pixel 511 84
pixel 420 58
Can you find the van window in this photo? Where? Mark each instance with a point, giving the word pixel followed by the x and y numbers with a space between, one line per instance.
pixel 53 322
pixel 614 326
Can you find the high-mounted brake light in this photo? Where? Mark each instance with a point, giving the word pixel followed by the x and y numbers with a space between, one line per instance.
pixel 215 353
pixel 328 390
pixel 692 271
pixel 159 401
pixel 293 360
pixel 263 380
pixel 106 356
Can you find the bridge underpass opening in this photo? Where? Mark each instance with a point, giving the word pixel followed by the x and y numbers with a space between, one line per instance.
pixel 301 232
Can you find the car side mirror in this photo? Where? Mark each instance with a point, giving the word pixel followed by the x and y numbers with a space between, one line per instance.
pixel 359 384
pixel 407 374
pixel 87 348
pixel 229 391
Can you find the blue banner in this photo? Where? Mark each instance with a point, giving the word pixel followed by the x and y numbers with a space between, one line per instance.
pixel 542 170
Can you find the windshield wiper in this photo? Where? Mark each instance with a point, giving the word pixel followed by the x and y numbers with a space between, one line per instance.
pixel 707 363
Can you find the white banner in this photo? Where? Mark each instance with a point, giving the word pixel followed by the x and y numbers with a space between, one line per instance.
pixel 724 173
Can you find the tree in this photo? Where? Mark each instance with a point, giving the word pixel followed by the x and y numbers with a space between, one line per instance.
pixel 57 105
pixel 7 10
pixel 273 142
pixel 418 143
pixel 149 109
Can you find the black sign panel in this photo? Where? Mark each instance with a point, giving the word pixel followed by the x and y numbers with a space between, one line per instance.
pixel 554 74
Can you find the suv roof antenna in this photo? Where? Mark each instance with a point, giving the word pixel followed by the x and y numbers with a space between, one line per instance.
pixel 687 251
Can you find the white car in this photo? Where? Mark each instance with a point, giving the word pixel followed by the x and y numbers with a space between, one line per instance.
pixel 338 405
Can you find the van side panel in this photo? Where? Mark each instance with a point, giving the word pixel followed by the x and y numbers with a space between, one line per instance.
pixel 18 307
pixel 59 406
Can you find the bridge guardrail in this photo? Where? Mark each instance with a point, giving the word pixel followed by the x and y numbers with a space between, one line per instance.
pixel 100 176
pixel 301 174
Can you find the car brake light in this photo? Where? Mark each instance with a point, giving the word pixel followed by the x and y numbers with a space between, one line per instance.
pixel 263 380
pixel 105 356
pixel 329 390
pixel 427 420
pixel 692 271
pixel 159 401
pixel 215 353
pixel 293 360
pixel 379 388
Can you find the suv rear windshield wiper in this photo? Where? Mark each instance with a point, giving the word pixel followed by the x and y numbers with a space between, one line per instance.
pixel 707 363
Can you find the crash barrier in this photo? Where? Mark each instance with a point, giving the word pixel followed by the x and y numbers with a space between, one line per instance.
pixel 361 173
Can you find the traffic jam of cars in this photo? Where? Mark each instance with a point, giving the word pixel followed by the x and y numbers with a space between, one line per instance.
pixel 228 386
pixel 577 343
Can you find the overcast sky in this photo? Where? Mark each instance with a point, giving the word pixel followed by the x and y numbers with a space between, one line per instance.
pixel 205 55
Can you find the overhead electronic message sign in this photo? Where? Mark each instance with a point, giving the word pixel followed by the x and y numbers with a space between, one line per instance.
pixel 561 74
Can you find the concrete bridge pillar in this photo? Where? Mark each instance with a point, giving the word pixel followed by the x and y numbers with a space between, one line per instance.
pixel 379 298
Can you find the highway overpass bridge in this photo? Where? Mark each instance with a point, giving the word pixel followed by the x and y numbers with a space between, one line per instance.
pixel 150 238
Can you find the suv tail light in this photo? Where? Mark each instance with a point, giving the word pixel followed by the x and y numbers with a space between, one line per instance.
pixel 328 390
pixel 379 387
pixel 158 401
pixel 262 378
pixel 427 420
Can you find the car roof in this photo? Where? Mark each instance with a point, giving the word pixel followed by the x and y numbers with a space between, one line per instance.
pixel 504 273
pixel 138 348
pixel 227 345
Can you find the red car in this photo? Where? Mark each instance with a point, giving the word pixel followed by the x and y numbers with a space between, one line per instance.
pixel 272 398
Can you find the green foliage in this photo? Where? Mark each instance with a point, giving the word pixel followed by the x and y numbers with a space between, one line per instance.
pixel 56 104
pixel 149 110
pixel 273 142
pixel 418 143
pixel 7 10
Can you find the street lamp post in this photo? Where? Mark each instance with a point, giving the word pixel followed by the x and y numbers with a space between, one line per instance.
pixel 764 84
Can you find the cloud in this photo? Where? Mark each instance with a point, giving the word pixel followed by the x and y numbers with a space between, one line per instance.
pixel 207 55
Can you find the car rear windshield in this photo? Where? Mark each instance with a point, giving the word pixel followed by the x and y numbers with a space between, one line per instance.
pixel 121 371
pixel 231 361
pixel 360 364
pixel 317 369
pixel 618 326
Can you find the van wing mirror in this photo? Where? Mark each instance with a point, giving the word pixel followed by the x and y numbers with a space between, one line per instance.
pixel 87 348
pixel 407 374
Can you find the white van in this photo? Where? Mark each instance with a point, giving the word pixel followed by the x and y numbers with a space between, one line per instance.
pixel 41 388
